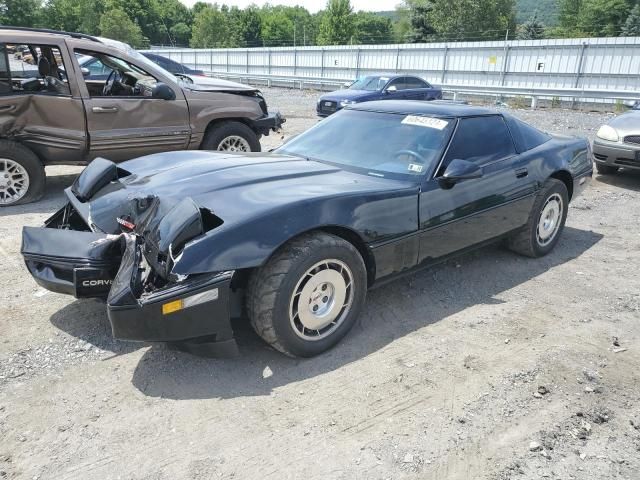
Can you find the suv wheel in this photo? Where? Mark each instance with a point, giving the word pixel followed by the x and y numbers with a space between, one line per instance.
pixel 231 137
pixel 22 176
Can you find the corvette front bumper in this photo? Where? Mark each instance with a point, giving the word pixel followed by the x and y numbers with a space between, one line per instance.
pixel 194 313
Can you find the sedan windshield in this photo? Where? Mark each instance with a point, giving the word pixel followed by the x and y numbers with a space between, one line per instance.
pixel 371 84
pixel 379 144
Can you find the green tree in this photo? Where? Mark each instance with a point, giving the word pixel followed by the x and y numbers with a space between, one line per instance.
pixel 249 25
pixel 532 29
pixel 372 28
pixel 420 13
pixel 603 17
pixel 277 28
pixel 631 27
pixel 117 25
pixel 209 28
pixel 20 13
pixel 337 27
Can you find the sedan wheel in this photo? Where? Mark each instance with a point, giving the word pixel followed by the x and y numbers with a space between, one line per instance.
pixel 308 295
pixel 14 181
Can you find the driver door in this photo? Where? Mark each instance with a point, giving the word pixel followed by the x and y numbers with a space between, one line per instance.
pixel 129 124
pixel 473 211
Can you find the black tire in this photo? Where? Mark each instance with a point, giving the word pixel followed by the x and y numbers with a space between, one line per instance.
pixel 270 294
pixel 606 169
pixel 216 135
pixel 527 241
pixel 33 167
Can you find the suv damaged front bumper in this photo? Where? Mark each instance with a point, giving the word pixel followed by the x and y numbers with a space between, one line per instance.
pixel 271 121
pixel 192 311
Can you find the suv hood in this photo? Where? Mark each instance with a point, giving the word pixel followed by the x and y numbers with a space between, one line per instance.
pixel 234 187
pixel 216 85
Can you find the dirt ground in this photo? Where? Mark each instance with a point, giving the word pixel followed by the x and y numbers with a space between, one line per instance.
pixel 492 366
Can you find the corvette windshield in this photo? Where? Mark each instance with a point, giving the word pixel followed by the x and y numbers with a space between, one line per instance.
pixel 369 83
pixel 379 144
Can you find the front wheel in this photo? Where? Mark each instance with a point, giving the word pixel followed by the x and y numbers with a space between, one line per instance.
pixel 231 137
pixel 546 221
pixel 307 297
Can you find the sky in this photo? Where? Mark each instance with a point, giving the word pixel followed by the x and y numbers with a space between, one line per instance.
pixel 311 5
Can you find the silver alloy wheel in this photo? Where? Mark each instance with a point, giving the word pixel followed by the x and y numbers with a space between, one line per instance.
pixel 14 181
pixel 234 143
pixel 550 219
pixel 321 300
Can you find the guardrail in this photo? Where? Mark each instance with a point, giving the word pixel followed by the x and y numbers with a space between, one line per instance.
pixel 499 91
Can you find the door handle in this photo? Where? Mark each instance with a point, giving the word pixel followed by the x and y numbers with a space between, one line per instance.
pixel 522 172
pixel 104 109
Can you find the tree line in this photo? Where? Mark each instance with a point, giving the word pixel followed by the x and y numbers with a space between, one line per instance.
pixel 205 25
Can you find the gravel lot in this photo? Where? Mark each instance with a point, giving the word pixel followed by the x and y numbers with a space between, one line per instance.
pixel 492 366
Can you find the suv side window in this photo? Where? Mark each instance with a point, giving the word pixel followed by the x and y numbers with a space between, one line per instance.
pixel 481 140
pixel 124 78
pixel 32 69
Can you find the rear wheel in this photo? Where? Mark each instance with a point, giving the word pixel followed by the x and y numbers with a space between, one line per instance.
pixel 546 221
pixel 22 176
pixel 231 137
pixel 606 169
pixel 309 294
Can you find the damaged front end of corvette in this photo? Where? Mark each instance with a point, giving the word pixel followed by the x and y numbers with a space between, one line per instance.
pixel 133 268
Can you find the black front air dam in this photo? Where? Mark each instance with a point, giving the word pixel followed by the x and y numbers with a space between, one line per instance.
pixel 141 318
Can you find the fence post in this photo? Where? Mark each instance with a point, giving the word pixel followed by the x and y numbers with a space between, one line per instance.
pixel 322 65
pixel 505 63
pixel 295 61
pixel 444 63
pixel 228 61
pixel 397 59
pixel 579 71
pixel 269 62
pixel 358 64
pixel 211 60
pixel 247 61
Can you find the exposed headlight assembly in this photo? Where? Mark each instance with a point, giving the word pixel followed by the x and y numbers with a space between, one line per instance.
pixel 607 132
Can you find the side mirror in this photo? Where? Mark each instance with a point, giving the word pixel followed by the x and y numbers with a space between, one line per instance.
pixel 347 84
pixel 392 89
pixel 461 170
pixel 163 92
pixel 85 72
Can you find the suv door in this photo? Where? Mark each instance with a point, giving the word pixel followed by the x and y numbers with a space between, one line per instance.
pixel 475 210
pixel 129 122
pixel 39 106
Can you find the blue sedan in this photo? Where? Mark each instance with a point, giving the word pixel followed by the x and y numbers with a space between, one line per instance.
pixel 378 87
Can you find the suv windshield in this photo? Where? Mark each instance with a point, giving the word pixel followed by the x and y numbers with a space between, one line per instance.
pixel 379 144
pixel 369 83
pixel 138 56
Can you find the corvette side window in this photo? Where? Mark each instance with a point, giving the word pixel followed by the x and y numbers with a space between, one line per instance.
pixel 480 140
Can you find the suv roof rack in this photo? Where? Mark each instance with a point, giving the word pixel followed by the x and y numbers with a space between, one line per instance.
pixel 47 30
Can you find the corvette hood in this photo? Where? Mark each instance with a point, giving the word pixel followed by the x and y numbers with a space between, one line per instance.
pixel 234 187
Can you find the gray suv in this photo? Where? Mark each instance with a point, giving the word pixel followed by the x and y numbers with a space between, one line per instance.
pixel 52 113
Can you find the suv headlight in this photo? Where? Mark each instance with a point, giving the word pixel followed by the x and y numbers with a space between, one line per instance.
pixel 607 132
pixel 344 103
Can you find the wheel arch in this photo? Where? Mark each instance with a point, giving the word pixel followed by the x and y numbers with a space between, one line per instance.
pixel 565 177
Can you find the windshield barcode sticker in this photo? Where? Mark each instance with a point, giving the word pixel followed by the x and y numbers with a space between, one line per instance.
pixel 428 122
pixel 415 168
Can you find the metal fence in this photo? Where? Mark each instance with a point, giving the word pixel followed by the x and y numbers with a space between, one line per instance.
pixel 608 64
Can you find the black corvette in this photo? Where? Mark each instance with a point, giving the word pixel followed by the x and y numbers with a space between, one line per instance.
pixel 178 243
